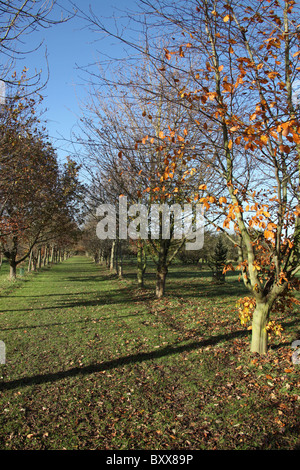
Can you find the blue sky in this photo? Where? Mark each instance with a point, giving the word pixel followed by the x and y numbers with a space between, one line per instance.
pixel 70 45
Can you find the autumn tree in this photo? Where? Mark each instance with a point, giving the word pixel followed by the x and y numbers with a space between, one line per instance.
pixel 36 195
pixel 244 59
pixel 127 153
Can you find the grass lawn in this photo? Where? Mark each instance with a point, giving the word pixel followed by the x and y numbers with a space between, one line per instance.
pixel 94 363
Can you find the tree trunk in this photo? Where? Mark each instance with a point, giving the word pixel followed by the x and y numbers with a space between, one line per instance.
pixel 34 262
pixel 119 260
pixel 52 254
pixel 29 261
pixel 112 255
pixel 161 275
pixel 141 265
pixel 45 257
pixel 120 270
pixel 39 262
pixel 259 343
pixel 12 269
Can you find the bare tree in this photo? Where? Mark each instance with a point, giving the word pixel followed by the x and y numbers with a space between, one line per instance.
pixel 19 19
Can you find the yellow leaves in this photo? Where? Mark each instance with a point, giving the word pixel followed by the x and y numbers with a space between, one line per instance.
pixel 272 75
pixel 274 328
pixel 226 18
pixel 269 235
pixel 271 226
pixel 222 200
pixel 181 139
pixel 269 232
pixel 226 223
pixel 227 86
pixel 287 128
pixel 256 267
pixel 296 138
pixel 212 95
pixel 246 307
pixel 297 211
pixel 264 139
pixel 266 213
pixel 167 54
pixel 228 267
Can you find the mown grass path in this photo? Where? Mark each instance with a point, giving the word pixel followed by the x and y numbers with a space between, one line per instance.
pixel 92 363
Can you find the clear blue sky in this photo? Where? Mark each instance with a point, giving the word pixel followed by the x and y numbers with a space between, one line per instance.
pixel 70 45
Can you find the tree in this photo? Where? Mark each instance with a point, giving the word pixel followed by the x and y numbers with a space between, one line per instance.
pixel 19 19
pixel 124 147
pixel 243 60
pixel 36 196
pixel 218 260
pixel 234 67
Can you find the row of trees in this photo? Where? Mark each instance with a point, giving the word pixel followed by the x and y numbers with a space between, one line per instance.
pixel 216 253
pixel 37 193
pixel 210 113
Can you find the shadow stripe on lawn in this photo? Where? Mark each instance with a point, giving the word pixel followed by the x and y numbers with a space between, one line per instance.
pixel 114 363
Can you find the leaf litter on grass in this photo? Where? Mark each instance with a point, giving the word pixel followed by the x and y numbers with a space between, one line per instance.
pixel 141 373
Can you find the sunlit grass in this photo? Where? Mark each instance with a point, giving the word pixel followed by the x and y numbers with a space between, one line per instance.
pixel 94 363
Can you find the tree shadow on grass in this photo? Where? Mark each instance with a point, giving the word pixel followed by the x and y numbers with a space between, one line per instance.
pixel 208 290
pixel 64 324
pixel 119 362
pixel 117 297
pixel 57 294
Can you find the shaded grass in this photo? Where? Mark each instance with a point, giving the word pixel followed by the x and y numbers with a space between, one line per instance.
pixel 94 363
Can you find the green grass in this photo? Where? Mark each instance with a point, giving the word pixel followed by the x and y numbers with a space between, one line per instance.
pixel 94 363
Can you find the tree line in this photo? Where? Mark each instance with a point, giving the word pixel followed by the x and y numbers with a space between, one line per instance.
pixel 38 194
